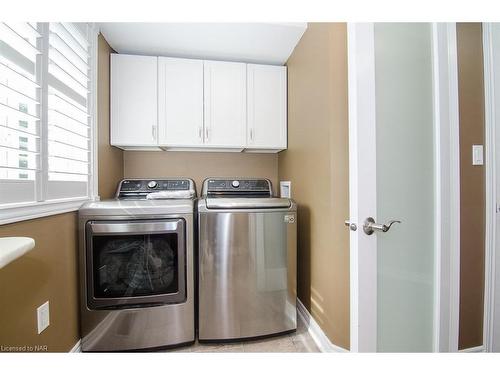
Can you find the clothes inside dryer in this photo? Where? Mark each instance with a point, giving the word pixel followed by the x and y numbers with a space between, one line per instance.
pixel 135 266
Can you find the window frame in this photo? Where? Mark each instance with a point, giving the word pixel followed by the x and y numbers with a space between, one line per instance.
pixel 14 212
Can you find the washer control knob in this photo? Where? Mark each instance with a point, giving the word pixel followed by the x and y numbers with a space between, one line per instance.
pixel 235 183
pixel 152 184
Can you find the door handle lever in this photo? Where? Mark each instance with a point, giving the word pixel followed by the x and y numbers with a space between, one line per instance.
pixel 371 226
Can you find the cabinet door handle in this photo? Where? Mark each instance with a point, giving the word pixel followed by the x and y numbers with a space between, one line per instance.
pixel 207 134
pixel 251 135
pixel 200 133
pixel 153 132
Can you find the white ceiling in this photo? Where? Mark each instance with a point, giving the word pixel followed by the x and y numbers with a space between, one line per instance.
pixel 266 43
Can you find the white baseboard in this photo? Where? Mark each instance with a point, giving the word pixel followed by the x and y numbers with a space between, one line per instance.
pixel 317 334
pixel 77 348
pixel 475 349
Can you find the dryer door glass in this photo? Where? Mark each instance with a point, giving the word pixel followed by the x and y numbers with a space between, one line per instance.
pixel 133 263
pixel 137 265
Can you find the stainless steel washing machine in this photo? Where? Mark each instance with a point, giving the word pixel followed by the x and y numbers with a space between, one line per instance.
pixel 137 267
pixel 247 260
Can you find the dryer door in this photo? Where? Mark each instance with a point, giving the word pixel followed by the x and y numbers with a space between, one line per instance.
pixel 133 263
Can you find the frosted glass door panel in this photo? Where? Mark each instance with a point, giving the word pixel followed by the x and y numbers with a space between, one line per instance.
pixel 405 168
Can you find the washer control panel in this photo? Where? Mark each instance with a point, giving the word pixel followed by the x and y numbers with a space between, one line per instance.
pixel 237 186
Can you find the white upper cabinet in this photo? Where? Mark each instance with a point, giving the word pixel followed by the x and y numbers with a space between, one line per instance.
pixel 180 102
pixel 225 104
pixel 134 100
pixel 266 98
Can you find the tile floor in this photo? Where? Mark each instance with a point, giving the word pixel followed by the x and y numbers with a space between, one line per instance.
pixel 297 342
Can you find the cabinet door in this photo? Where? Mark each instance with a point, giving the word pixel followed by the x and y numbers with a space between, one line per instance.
pixel 134 100
pixel 225 104
pixel 266 97
pixel 180 102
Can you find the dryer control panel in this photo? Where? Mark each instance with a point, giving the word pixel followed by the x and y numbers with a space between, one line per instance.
pixel 139 188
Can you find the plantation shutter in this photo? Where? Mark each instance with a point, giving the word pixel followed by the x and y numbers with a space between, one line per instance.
pixel 19 112
pixel 68 111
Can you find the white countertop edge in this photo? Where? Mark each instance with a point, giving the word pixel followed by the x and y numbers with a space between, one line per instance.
pixel 12 248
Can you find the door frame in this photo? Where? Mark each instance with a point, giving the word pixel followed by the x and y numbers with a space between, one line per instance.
pixel 363 255
pixel 491 87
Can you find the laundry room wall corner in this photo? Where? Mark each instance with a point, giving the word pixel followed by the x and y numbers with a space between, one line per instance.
pixel 317 164
pixel 110 158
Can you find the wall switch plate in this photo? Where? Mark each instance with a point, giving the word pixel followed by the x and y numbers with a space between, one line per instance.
pixel 285 189
pixel 43 316
pixel 477 155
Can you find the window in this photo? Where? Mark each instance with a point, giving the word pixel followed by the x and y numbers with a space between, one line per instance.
pixel 46 118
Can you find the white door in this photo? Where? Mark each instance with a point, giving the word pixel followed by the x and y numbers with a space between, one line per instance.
pixel 225 104
pixel 394 154
pixel 180 102
pixel 266 98
pixel 134 116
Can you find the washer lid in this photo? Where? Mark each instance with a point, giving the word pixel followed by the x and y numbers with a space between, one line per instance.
pixel 247 203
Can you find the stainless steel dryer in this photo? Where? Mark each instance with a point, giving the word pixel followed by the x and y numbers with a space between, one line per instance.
pixel 136 267
pixel 247 260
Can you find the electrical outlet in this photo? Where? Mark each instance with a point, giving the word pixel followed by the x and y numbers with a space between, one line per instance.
pixel 43 316
pixel 285 189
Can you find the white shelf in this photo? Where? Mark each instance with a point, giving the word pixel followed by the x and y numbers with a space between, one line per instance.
pixel 12 248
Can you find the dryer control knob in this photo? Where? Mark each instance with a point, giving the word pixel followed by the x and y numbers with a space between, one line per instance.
pixel 152 184
pixel 235 183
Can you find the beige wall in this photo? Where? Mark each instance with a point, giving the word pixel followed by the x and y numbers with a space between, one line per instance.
pixel 110 159
pixel 47 273
pixel 472 184
pixel 316 162
pixel 200 165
